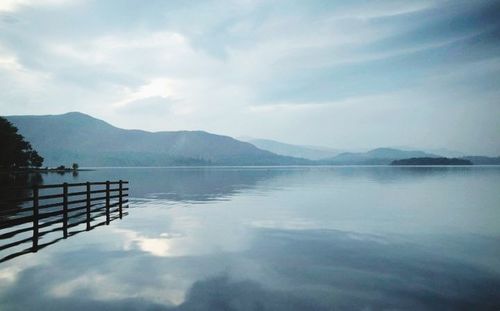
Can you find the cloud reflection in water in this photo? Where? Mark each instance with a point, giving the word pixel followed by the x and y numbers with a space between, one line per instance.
pixel 303 239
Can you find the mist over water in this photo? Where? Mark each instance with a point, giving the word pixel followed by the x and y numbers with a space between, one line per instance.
pixel 276 238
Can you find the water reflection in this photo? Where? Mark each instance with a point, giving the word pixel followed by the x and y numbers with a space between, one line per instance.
pixel 13 188
pixel 289 270
pixel 278 239
pixel 217 183
pixel 181 184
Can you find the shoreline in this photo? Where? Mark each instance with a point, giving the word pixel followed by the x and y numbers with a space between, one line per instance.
pixel 43 170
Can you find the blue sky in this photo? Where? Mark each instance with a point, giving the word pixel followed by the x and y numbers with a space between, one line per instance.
pixel 345 74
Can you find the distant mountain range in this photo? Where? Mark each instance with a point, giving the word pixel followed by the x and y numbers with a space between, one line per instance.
pixel 443 152
pixel 298 151
pixel 77 137
pixel 385 156
pixel 379 156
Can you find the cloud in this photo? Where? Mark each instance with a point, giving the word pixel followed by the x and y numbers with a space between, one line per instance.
pixel 13 5
pixel 282 270
pixel 216 64
pixel 147 106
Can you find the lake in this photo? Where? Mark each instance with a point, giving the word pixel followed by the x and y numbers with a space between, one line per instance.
pixel 276 238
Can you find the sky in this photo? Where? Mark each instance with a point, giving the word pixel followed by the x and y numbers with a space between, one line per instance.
pixel 343 74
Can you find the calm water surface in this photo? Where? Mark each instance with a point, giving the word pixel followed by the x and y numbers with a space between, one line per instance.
pixel 361 238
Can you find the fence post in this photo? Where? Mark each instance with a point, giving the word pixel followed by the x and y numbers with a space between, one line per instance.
pixel 120 199
pixel 65 209
pixel 107 202
pixel 88 206
pixel 35 218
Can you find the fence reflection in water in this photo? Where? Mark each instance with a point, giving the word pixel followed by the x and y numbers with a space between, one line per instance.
pixel 49 209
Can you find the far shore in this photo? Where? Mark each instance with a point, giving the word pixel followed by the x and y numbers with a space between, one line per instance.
pixel 43 170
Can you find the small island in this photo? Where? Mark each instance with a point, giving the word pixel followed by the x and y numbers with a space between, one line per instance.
pixel 431 161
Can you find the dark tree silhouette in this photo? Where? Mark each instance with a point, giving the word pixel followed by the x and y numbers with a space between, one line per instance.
pixel 431 161
pixel 36 159
pixel 15 152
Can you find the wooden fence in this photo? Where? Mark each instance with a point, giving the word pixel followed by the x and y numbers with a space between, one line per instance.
pixel 59 207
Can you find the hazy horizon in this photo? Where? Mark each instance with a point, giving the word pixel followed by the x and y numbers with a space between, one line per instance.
pixel 345 75
pixel 250 139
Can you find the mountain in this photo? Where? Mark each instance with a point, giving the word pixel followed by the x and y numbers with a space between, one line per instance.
pixel 443 152
pixel 77 137
pixel 379 156
pixel 306 152
pixel 447 153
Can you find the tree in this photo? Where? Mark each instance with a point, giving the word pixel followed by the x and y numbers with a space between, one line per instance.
pixel 15 152
pixel 36 159
pixel 75 166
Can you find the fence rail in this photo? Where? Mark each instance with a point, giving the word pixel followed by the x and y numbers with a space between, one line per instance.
pixel 88 202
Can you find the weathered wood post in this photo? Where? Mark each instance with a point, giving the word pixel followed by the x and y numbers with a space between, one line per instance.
pixel 65 209
pixel 88 206
pixel 107 202
pixel 35 218
pixel 120 199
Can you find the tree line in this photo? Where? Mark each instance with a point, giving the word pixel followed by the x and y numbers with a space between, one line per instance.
pixel 15 151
